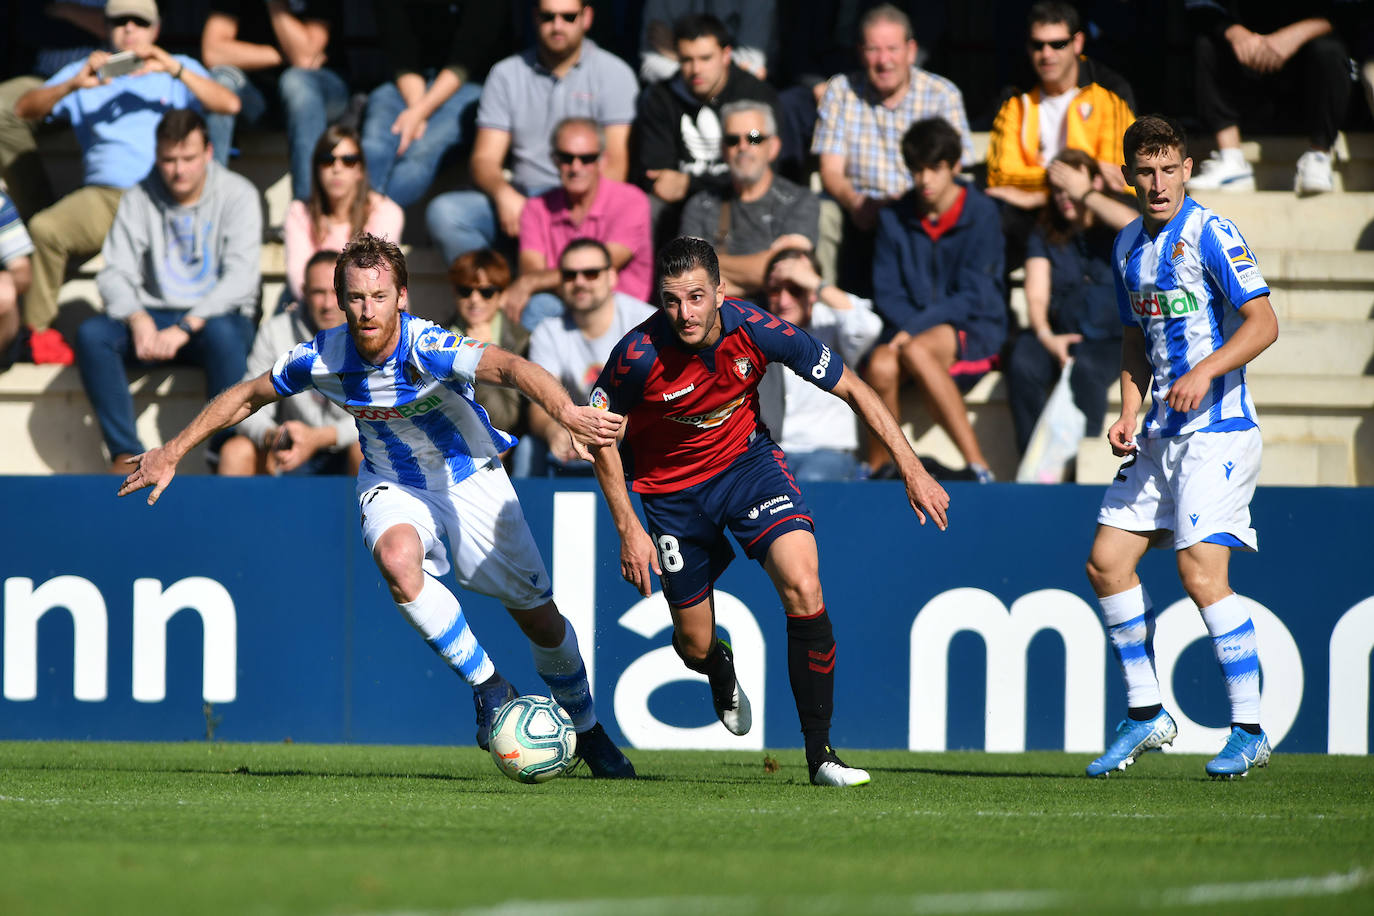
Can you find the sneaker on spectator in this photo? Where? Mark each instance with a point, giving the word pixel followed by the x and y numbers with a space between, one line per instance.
pixel 1224 173
pixel 1314 173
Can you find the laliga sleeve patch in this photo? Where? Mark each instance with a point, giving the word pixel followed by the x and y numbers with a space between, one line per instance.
pixel 599 399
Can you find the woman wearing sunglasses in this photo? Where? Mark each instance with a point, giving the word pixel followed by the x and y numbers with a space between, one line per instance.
pixel 479 279
pixel 341 205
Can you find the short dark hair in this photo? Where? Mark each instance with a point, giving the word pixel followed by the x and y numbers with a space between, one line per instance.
pixel 787 254
pixel 685 253
pixel 178 124
pixel 1048 12
pixel 701 25
pixel 323 256
pixel 1152 134
pixel 367 252
pixel 581 242
pixel 930 141
pixel 464 269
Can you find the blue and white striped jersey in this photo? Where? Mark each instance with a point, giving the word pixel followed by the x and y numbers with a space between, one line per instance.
pixel 418 422
pixel 1184 289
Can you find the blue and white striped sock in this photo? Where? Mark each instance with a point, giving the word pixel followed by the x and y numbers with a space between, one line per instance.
pixel 562 669
pixel 438 616
pixel 1130 620
pixel 1233 641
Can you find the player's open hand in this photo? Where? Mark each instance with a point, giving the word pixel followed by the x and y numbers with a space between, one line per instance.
pixel 151 469
pixel 637 559
pixel 591 427
pixel 927 497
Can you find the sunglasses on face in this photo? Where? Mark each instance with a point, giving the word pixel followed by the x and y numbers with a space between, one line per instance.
pixel 753 138
pixel 139 21
pixel 587 273
pixel 546 18
pixel 1058 44
pixel 563 158
pixel 486 292
pixel 347 159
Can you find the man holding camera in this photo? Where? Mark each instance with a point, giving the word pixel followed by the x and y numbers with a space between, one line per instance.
pixel 113 100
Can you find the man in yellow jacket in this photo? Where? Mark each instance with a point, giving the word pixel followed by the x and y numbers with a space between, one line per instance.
pixel 1078 104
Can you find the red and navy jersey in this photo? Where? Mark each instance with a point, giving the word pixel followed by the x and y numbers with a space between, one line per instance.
pixel 690 413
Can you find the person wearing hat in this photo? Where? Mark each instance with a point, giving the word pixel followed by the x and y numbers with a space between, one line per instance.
pixel 114 113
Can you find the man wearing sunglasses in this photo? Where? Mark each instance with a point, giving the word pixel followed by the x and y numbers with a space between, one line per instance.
pixel 586 204
pixel 564 75
pixel 1077 103
pixel 575 345
pixel 114 117
pixel 761 212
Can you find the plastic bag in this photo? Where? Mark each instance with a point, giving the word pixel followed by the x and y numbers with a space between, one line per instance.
pixel 1054 442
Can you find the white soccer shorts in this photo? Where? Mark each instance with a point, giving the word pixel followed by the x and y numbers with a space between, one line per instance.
pixel 1196 486
pixel 493 551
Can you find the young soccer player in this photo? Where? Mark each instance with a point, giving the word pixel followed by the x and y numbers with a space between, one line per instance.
pixel 1196 310
pixel 702 461
pixel 431 469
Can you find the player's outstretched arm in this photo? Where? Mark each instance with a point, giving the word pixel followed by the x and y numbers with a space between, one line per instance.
pixel 923 492
pixel 1258 329
pixel 637 554
pixel 1135 381
pixel 588 426
pixel 156 467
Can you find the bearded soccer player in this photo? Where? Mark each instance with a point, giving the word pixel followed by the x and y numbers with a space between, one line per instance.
pixel 1196 310
pixel 696 451
pixel 431 469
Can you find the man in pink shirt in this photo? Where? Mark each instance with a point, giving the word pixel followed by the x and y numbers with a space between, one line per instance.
pixel 584 205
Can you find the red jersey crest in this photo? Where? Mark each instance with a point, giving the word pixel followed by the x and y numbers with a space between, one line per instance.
pixel 743 367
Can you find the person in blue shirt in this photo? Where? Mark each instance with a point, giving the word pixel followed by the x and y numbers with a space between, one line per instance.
pixel 1195 311
pixel 114 118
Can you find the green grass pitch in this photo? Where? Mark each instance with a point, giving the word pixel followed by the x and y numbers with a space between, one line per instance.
pixel 307 829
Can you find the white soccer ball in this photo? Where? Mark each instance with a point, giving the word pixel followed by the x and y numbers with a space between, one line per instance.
pixel 532 739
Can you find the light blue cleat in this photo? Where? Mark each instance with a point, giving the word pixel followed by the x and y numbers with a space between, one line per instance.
pixel 1133 739
pixel 1242 751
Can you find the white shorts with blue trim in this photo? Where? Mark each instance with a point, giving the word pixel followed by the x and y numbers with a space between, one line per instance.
pixel 493 551
pixel 1198 486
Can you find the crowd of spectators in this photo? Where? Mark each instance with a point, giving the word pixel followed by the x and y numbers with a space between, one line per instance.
pixel 709 118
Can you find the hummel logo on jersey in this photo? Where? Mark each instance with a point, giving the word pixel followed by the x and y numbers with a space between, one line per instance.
pixel 1229 466
pixel 1193 518
pixel 534 578
pixel 673 395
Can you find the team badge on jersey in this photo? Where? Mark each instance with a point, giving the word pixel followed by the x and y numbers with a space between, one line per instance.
pixel 1177 254
pixel 599 399
pixel 1085 110
pixel 743 367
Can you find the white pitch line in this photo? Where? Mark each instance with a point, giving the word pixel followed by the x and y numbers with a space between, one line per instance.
pixel 1000 901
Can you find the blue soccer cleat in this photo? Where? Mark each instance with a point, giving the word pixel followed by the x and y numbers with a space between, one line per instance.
pixel 489 698
pixel 605 761
pixel 1133 739
pixel 1242 751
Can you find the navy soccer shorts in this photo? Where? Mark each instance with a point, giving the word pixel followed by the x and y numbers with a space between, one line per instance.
pixel 756 497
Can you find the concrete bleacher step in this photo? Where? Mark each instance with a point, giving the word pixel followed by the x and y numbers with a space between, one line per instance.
pixel 1277 219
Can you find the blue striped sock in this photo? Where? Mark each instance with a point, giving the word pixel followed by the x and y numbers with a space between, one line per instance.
pixel 562 669
pixel 1130 620
pixel 438 616
pixel 1233 642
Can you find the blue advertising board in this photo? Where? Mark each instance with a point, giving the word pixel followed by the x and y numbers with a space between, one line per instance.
pixel 249 610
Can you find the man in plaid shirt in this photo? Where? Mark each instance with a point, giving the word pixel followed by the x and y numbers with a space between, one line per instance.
pixel 859 128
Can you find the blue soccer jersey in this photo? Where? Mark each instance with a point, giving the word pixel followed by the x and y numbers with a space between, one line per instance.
pixel 1184 289
pixel 418 422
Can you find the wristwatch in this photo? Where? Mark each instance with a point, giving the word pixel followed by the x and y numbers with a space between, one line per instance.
pixel 186 326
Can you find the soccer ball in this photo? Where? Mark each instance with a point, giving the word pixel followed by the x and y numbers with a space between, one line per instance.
pixel 532 739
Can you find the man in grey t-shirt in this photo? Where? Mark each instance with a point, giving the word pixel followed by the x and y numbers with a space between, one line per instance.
pixel 574 346
pixel 564 75
pixel 762 213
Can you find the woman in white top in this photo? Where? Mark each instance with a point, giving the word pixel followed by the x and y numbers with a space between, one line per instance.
pixel 341 205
